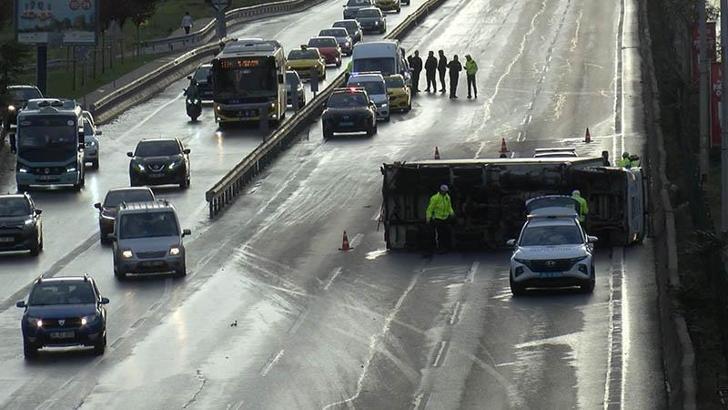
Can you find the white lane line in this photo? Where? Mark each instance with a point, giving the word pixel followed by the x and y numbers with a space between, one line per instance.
pixel 421 401
pixel 377 215
pixel 480 149
pixel 272 363
pixel 149 117
pixel 471 273
pixel 374 342
pixel 440 357
pixel 334 274
pixel 505 364
pixel 614 383
pixel 356 239
pixel 455 313
pixel 299 321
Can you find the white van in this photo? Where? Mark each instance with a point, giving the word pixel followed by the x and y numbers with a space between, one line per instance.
pixel 385 56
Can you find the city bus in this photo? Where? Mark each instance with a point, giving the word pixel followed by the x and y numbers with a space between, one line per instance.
pixel 248 77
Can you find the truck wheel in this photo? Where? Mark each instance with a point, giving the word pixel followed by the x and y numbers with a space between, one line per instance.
pixel 29 351
pixel 100 347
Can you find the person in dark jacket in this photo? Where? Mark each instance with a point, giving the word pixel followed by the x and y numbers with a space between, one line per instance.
pixel 442 68
pixel 454 67
pixel 416 66
pixel 430 69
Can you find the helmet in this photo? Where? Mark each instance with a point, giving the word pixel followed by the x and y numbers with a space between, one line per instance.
pixel 625 155
pixel 575 193
pixel 444 188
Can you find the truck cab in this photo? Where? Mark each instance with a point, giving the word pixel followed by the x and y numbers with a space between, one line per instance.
pixel 50 145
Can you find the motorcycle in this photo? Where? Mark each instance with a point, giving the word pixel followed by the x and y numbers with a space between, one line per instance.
pixel 194 107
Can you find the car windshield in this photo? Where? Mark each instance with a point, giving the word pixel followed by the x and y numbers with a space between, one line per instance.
pixel 394 82
pixel 368 13
pixel 148 225
pixel 358 3
pixel 62 293
pixel 24 94
pixel 114 198
pixel 157 149
pixel 303 55
pixel 372 87
pixel 88 129
pixel 553 235
pixel 334 32
pixel 47 138
pixel 10 207
pixel 385 65
pixel 292 79
pixel 322 42
pixel 344 100
pixel 202 74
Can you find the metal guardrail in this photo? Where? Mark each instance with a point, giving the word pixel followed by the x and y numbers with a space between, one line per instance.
pixel 232 184
pixel 207 32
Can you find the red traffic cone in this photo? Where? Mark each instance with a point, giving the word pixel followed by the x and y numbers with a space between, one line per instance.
pixel 587 136
pixel 345 243
pixel 503 148
pixel 437 153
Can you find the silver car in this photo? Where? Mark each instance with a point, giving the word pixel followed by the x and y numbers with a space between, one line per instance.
pixel 91 140
pixel 148 239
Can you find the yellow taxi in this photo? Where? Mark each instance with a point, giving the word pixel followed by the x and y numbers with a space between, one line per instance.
pixel 400 97
pixel 305 61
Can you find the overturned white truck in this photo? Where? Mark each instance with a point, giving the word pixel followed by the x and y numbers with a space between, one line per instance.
pixel 489 197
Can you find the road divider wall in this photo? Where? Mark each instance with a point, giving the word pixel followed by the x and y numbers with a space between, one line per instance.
pixel 223 193
pixel 121 99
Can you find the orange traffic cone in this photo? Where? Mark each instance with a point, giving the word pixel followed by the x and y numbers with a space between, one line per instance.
pixel 503 148
pixel 437 153
pixel 587 136
pixel 345 243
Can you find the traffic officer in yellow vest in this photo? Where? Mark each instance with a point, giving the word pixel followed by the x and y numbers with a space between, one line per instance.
pixel 625 162
pixel 439 213
pixel 470 69
pixel 583 206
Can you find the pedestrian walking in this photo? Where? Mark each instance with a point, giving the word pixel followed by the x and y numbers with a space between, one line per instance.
pixel 187 22
pixel 471 67
pixel 430 69
pixel 439 214
pixel 454 68
pixel 416 66
pixel 442 68
pixel 583 206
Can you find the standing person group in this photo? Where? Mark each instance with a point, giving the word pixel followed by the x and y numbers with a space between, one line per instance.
pixel 434 65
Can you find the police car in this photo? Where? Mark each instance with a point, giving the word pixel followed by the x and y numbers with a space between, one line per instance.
pixel 553 250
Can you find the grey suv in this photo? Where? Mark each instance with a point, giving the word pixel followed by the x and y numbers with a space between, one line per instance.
pixel 148 239
pixel 21 227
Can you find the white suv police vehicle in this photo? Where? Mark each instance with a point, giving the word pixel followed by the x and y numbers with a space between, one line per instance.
pixel 552 250
pixel 148 239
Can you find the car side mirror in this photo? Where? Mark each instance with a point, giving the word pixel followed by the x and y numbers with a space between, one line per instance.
pixel 130 154
pixel 38 211
pixel 103 301
pixel 186 232
pixel 591 239
pixel 97 205
pixel 511 242
pixel 21 304
pixel 99 132
pixel 186 150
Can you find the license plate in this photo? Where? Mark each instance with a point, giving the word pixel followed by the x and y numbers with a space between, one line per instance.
pixel 47 177
pixel 346 123
pixel 550 274
pixel 62 335
pixel 153 263
pixel 6 239
pixel 156 175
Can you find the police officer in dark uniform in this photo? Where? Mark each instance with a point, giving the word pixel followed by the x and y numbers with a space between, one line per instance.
pixel 430 69
pixel 454 67
pixel 442 68
pixel 416 66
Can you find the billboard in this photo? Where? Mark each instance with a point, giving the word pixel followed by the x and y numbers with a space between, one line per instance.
pixel 56 21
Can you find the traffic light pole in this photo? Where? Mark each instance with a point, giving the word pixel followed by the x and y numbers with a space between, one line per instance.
pixel 724 116
pixel 703 94
pixel 41 70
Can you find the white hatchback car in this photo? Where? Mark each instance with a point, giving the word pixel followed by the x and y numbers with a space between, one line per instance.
pixel 552 250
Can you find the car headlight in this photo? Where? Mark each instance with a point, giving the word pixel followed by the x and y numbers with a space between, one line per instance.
pixel 376 23
pixel 174 164
pixel 71 169
pixel 88 319
pixel 383 105
pixel 29 221
pixel 347 44
pixel 127 254
pixel 139 167
pixel 91 143
pixel 11 108
pixel 34 321
pixel 174 251
pixel 23 170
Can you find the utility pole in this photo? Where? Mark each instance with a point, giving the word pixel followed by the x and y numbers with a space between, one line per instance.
pixel 724 116
pixel 704 94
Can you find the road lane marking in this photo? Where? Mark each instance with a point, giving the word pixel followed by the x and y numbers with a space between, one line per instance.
pixel 334 274
pixel 441 353
pixel 421 401
pixel 356 239
pixel 272 363
pixel 613 386
pixel 471 273
pixel 455 313
pixel 299 321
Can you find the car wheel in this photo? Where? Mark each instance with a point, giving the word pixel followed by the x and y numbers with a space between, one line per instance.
pixel 133 182
pixel 104 239
pixel 35 249
pixel 338 63
pixel 398 11
pixel 40 245
pixel 409 108
pixel 370 131
pixel 323 77
pixel 328 134
pixel 119 275
pixel 100 347
pixel 517 289
pixel 181 272
pixel 185 183
pixel 95 164
pixel 376 126
pixel 588 286
pixel 29 351
pixel 387 118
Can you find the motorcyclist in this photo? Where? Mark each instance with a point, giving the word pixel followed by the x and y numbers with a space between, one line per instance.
pixel 193 92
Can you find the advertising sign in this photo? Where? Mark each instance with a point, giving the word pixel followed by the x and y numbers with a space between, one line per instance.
pixel 56 21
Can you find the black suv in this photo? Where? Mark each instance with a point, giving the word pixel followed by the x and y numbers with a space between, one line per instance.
pixel 21 227
pixel 114 198
pixel 61 312
pixel 19 96
pixel 349 110
pixel 159 162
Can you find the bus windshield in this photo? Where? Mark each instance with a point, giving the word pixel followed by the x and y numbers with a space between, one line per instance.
pixel 47 138
pixel 244 77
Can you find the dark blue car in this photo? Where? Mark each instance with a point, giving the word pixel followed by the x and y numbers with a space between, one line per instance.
pixel 62 312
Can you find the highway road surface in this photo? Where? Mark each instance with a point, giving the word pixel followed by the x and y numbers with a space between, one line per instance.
pixel 273 316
